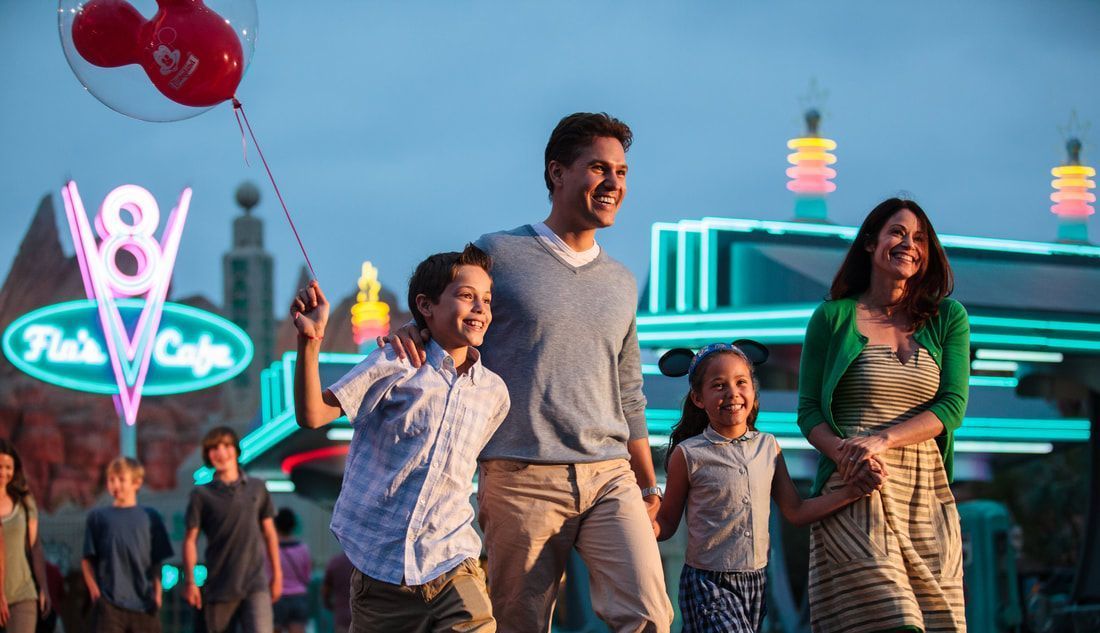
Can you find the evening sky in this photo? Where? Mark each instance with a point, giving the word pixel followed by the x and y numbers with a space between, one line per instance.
pixel 397 129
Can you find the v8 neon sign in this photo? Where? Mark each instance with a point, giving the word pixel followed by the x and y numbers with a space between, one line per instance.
pixel 106 284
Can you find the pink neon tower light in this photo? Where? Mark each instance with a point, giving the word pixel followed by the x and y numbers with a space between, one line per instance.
pixel 105 282
pixel 1071 195
pixel 811 175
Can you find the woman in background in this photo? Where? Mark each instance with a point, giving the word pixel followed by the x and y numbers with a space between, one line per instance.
pixel 21 598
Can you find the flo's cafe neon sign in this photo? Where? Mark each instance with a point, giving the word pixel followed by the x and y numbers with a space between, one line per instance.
pixel 125 339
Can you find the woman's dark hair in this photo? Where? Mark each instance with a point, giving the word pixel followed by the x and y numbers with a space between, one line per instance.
pixel 17 487
pixel 924 291
pixel 285 521
pixel 576 132
pixel 693 420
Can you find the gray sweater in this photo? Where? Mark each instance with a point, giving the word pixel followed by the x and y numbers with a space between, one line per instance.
pixel 564 341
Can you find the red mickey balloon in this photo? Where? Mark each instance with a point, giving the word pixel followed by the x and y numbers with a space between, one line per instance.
pixel 190 52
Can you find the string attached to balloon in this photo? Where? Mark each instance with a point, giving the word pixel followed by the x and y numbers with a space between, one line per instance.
pixel 187 58
pixel 237 107
pixel 244 143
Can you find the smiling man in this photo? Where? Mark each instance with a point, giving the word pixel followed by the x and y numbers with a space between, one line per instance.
pixel 570 467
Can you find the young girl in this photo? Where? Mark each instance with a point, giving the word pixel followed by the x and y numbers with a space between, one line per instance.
pixel 727 473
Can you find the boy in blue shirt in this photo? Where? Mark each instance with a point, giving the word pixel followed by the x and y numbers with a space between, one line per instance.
pixel 124 546
pixel 403 515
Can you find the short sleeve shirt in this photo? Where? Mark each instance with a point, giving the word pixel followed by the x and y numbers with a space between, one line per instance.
pixel 18 580
pixel 126 547
pixel 230 517
pixel 404 513
pixel 297 565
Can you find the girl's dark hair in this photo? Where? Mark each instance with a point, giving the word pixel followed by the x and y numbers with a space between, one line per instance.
pixel 285 521
pixel 924 291
pixel 693 420
pixel 17 487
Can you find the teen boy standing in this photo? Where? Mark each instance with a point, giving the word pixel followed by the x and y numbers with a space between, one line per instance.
pixel 403 515
pixel 124 546
pixel 571 465
pixel 235 513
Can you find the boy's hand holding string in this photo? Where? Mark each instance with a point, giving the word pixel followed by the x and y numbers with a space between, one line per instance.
pixel 313 406
pixel 310 309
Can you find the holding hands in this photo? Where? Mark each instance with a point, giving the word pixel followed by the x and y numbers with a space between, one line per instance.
pixel 192 595
pixel 652 507
pixel 309 309
pixel 859 462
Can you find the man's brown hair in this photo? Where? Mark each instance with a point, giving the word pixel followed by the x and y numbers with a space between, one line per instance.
pixel 437 271
pixel 219 435
pixel 576 132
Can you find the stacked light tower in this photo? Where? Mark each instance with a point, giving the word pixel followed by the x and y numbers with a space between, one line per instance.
pixel 1071 195
pixel 811 175
pixel 370 318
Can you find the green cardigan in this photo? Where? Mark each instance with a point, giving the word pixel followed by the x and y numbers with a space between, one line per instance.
pixel 833 342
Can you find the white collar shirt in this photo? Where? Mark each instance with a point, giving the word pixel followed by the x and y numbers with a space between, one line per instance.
pixel 558 246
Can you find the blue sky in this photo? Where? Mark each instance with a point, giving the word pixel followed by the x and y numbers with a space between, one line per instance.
pixel 397 129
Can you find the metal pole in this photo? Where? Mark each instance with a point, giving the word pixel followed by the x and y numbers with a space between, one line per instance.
pixel 127 438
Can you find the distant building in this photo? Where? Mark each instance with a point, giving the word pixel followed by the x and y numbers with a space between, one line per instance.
pixel 248 295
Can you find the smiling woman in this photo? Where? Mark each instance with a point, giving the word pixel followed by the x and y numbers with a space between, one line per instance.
pixel 897 242
pixel 882 388
pixel 20 600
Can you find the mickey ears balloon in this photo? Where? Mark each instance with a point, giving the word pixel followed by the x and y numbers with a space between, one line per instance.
pixel 677 362
pixel 158 60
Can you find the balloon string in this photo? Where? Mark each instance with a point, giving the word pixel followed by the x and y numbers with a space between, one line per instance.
pixel 237 106
pixel 244 143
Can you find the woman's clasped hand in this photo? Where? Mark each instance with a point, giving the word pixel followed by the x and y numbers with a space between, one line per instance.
pixel 859 461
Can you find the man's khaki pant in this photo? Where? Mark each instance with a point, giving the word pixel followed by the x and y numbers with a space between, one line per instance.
pixel 456 602
pixel 533 514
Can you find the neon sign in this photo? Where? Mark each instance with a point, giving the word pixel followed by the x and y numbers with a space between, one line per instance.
pixel 62 344
pixel 370 317
pixel 1072 197
pixel 125 339
pixel 106 283
pixel 811 173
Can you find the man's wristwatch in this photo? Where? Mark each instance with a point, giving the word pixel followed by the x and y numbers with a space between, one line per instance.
pixel 652 490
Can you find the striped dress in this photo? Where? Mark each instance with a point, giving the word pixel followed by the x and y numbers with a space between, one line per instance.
pixel 894 558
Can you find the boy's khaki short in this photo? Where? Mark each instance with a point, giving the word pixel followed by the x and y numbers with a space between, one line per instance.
pixel 456 601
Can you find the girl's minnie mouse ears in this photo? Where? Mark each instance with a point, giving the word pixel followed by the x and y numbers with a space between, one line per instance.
pixel 681 361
